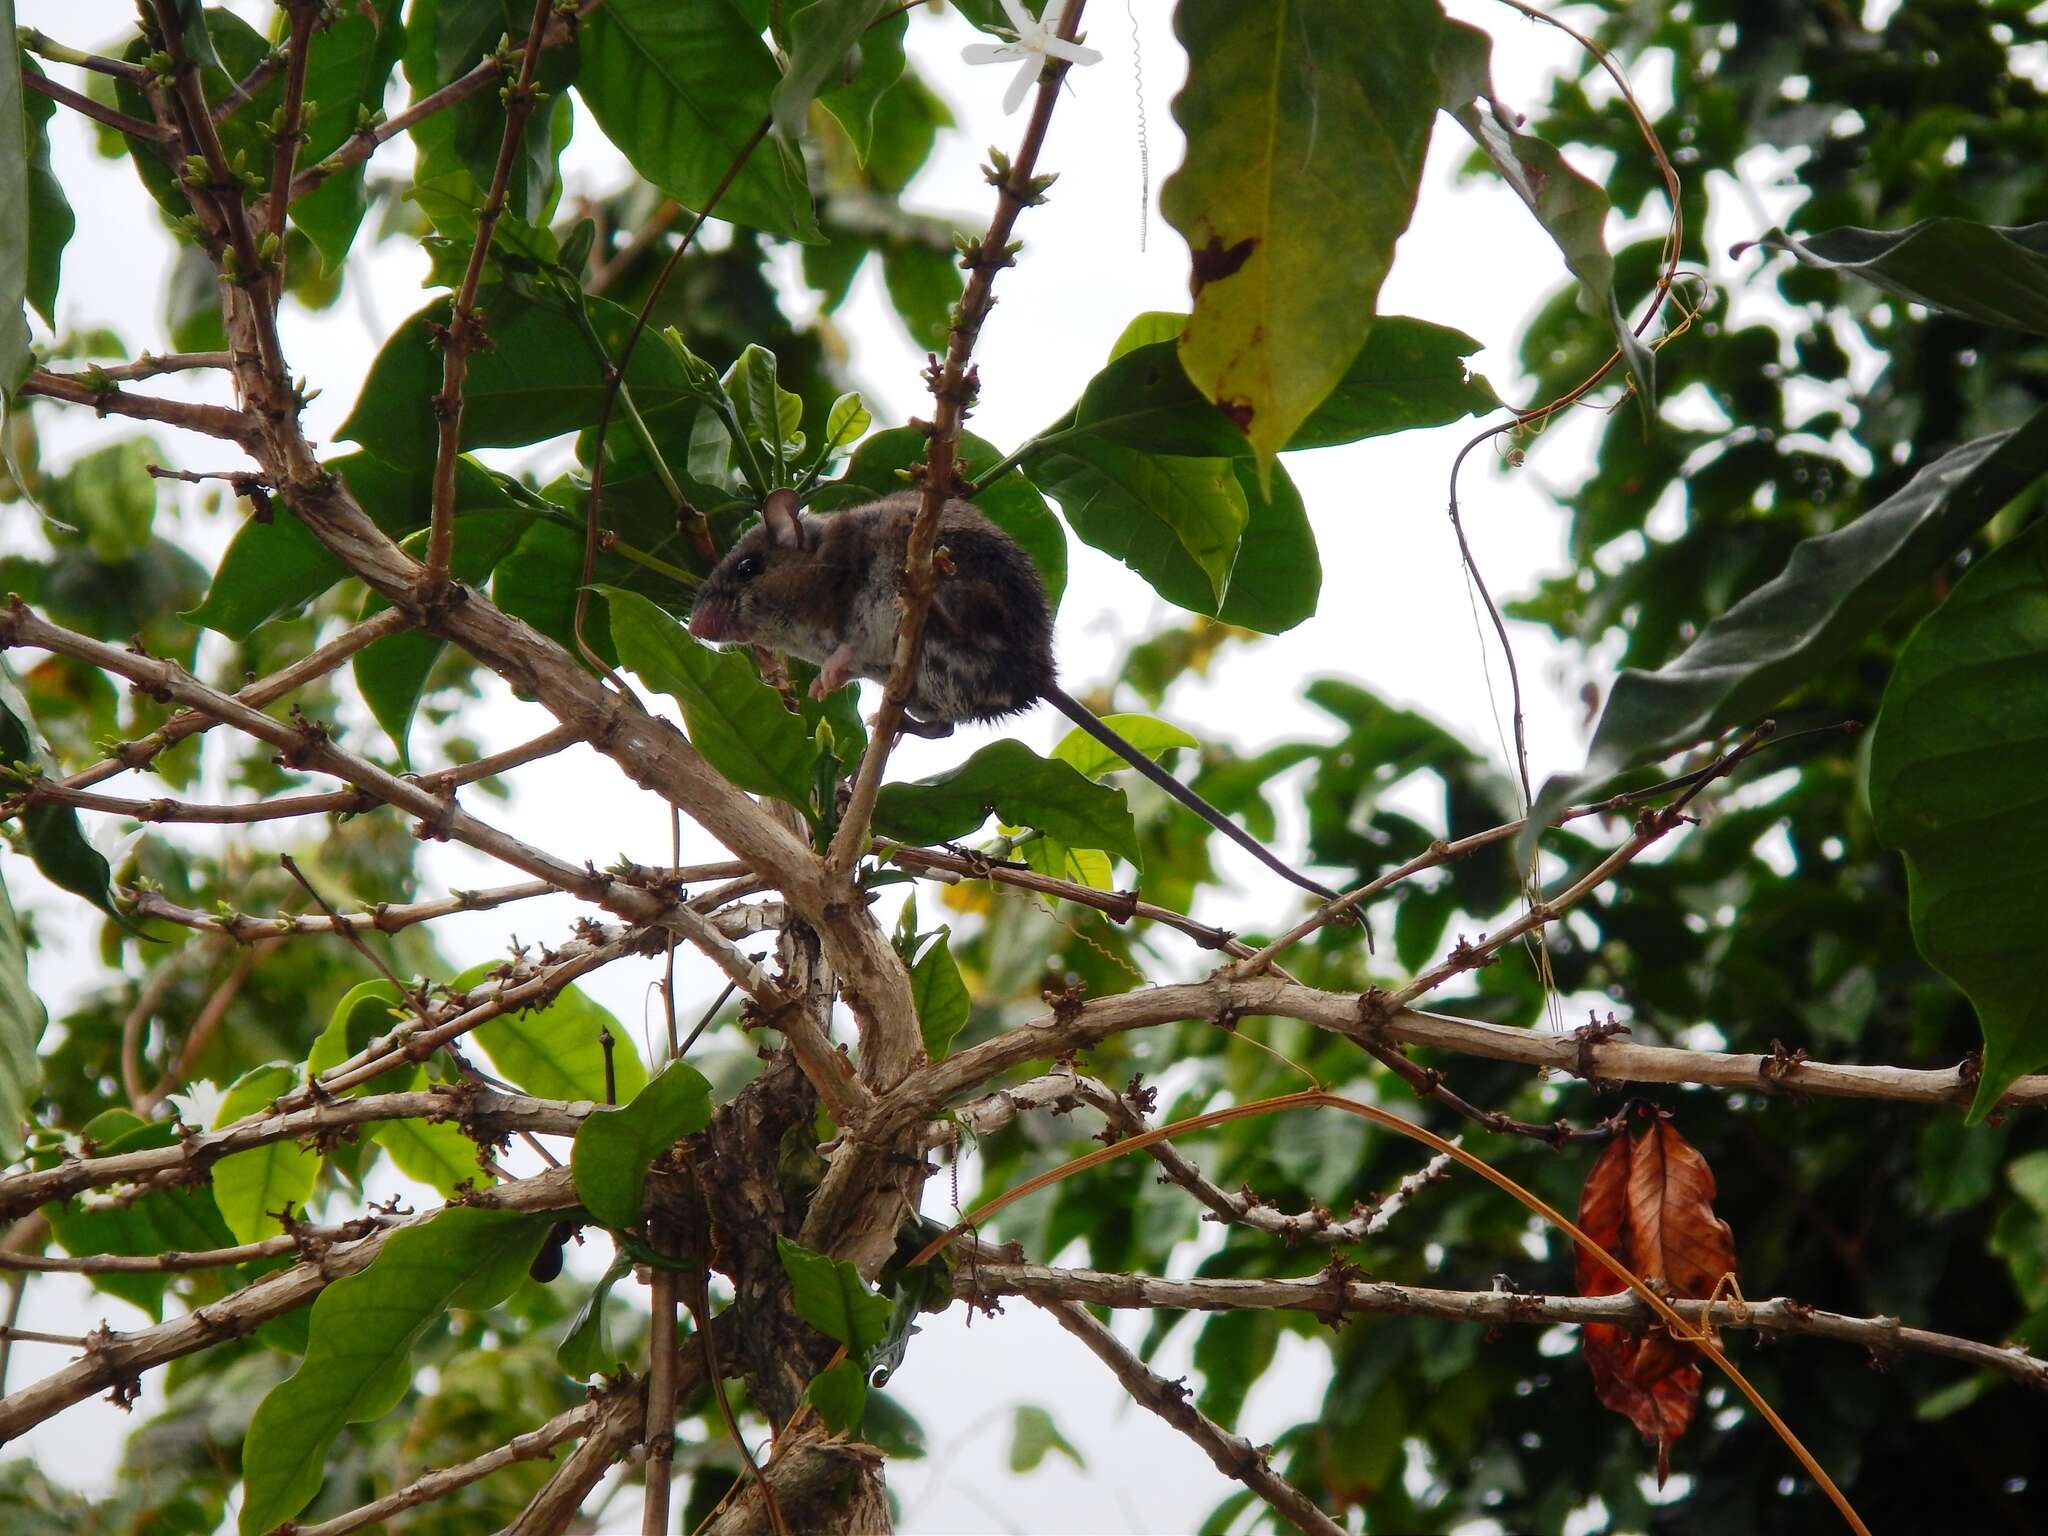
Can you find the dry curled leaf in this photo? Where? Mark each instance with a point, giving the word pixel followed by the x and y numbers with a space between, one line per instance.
pixel 1649 1200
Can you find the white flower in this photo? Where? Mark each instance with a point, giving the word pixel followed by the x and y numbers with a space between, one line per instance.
pixel 1036 42
pixel 199 1105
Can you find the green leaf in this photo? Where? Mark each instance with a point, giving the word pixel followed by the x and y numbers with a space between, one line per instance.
pixel 733 718
pixel 1306 126
pixel 585 1351
pixel 679 88
pixel 392 672
pixel 840 1394
pixel 768 413
pixel 56 842
pixel 924 284
pixel 15 238
pixel 1012 503
pixel 50 222
pixel 1033 1435
pixel 537 582
pixel 1008 779
pixel 831 1297
pixel 554 1052
pixel 434 1152
pixel 1787 632
pixel 822 37
pixel 358 1360
pixel 614 1148
pixel 1956 786
pixel 1169 518
pixel 538 379
pixel 1571 209
pixel 940 995
pixel 1157 513
pixel 1153 325
pixel 252 1187
pixel 22 1017
pixel 854 103
pixel 1408 374
pixel 347 69
pixel 368 1011
pixel 1147 733
pixel 1996 274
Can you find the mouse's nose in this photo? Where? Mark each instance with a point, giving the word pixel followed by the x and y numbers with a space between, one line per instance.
pixel 712 620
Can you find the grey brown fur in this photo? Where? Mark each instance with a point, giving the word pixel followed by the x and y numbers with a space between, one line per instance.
pixel 825 588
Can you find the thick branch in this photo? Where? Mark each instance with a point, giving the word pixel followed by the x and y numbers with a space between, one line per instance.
pixel 1359 1018
pixel 1333 1297
pixel 212 420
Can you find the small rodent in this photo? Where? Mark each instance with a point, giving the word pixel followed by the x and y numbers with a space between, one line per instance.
pixel 824 588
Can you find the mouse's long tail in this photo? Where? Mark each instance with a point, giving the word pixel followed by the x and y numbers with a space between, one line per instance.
pixel 1090 722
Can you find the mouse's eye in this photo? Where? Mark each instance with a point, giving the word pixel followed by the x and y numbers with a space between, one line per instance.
pixel 747 569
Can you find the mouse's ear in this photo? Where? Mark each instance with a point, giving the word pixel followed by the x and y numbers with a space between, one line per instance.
pixel 779 516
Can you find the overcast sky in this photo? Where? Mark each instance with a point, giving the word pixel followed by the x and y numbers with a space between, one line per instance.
pixel 1395 616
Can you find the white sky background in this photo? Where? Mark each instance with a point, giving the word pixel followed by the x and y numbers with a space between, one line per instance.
pixel 1395 616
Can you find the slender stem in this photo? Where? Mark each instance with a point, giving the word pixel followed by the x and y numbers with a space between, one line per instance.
pixel 305 20
pixel 45 46
pixel 953 389
pixel 465 333
pixel 85 106
pixel 660 1436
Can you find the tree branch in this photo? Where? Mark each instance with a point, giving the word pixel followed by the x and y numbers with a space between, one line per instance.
pixel 536 1444
pixel 1333 1296
pixel 118 1359
pixel 616 1432
pixel 212 420
pixel 1233 1455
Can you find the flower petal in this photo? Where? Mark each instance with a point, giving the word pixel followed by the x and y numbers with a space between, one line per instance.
pixel 1021 18
pixel 1073 53
pixel 1021 83
pixel 991 53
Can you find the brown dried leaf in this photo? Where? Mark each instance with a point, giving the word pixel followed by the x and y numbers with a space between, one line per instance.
pixel 1649 1201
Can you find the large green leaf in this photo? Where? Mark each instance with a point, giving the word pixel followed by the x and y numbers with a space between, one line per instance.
pixel 392 672
pixel 22 1017
pixel 1571 209
pixel 252 1187
pixel 555 1052
pixel 679 89
pixel 14 230
pixel 1793 627
pixel 831 1297
pixel 614 1148
pixel 1986 272
pixel 56 841
pixel 446 39
pixel 538 379
pixel 1012 502
pixel 1410 373
pixel 737 721
pixel 1956 785
pixel 1116 498
pixel 50 223
pixel 358 1360
pixel 1008 779
pixel 1155 512
pixel 1306 126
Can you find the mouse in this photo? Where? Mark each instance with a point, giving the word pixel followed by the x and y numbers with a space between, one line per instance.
pixel 824 588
